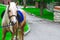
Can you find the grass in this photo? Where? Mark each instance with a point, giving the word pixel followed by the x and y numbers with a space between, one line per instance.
pixel 2 8
pixel 48 15
pixel 8 35
pixel 36 11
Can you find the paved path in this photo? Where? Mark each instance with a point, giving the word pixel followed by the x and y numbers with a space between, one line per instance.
pixel 42 29
pixel 26 7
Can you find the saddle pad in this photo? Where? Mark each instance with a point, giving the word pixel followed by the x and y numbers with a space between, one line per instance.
pixel 20 16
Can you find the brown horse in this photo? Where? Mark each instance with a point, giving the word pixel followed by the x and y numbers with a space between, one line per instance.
pixel 10 18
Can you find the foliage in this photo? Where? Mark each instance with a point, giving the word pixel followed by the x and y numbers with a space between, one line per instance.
pixel 37 0
pixel 49 1
pixel 57 0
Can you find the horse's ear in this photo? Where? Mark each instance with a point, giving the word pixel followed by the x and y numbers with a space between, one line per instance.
pixel 16 3
pixel 8 3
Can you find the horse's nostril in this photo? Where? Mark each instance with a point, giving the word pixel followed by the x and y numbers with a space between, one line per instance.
pixel 13 23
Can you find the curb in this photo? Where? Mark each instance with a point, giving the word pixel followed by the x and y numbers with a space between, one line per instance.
pixel 25 33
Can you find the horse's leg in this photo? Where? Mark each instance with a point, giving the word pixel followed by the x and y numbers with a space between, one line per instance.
pixel 4 33
pixel 17 31
pixel 21 34
pixel 14 32
pixel 21 31
pixel 12 36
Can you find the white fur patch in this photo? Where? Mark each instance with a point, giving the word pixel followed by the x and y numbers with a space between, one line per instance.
pixel 13 9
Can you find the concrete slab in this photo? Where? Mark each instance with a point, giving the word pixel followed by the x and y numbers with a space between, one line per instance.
pixel 42 29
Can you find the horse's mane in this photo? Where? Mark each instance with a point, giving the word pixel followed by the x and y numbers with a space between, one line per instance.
pixel 5 16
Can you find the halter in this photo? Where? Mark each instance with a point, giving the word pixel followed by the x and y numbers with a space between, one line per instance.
pixel 10 23
pixel 11 15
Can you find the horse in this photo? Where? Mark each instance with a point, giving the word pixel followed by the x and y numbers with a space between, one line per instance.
pixel 12 21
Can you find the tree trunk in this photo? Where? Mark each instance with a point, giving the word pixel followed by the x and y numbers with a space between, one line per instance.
pixel 41 7
pixel 24 2
pixel 36 4
pixel 1 1
pixel 41 10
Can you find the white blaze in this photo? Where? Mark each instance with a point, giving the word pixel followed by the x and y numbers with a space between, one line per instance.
pixel 13 9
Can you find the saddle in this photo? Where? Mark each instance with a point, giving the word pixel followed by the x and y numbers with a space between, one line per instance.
pixel 20 16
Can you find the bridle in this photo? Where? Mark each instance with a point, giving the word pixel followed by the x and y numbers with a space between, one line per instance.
pixel 10 23
pixel 11 15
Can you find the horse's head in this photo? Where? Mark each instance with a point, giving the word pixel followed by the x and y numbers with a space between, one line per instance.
pixel 12 12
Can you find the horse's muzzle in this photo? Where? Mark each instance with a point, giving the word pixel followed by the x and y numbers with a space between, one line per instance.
pixel 13 23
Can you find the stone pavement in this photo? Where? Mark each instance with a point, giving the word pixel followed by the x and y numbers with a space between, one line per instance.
pixel 42 29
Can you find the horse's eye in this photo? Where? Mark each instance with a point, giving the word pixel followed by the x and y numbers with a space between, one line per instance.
pixel 9 11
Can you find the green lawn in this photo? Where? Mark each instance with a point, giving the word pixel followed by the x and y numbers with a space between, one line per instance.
pixel 8 36
pixel 36 11
pixel 2 8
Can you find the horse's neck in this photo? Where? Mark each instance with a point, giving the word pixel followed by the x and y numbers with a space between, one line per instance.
pixel 5 17
pixel 5 14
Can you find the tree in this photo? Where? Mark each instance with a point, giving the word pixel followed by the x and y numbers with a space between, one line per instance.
pixel 1 1
pixel 41 7
pixel 24 2
pixel 57 2
pixel 20 2
pixel 37 3
pixel 43 4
